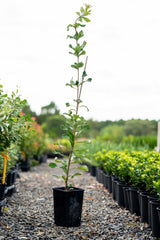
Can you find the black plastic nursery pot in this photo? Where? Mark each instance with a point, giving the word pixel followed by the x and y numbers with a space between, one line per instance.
pixel 98 174
pixel 109 183
pixel 119 194
pixel 143 202
pixel 2 191
pixel 101 173
pixel 89 167
pixel 150 198
pixel 126 196
pixel 134 201
pixel 158 210
pixel 42 158
pixel 155 225
pixel 25 165
pixel 2 196
pixel 68 206
pixel 93 170
pixel 114 186
pixel 105 181
pixel 11 178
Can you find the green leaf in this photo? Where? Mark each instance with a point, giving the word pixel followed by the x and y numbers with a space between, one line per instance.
pixel 67 104
pixel 80 35
pixel 82 53
pixel 89 80
pixel 76 174
pixel 82 10
pixel 52 165
pixel 64 168
pixel 85 107
pixel 70 45
pixel 63 127
pixel 68 27
pixel 75 161
pixel 57 161
pixel 86 19
pixel 55 176
pixel 70 85
pixel 77 65
pixel 55 152
pixel 76 25
pixel 64 178
pixel 83 167
pixel 72 54
pixel 84 74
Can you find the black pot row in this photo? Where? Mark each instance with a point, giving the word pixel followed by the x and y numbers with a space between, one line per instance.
pixel 41 158
pixel 141 203
pixel 58 155
pixel 9 188
pixel 25 164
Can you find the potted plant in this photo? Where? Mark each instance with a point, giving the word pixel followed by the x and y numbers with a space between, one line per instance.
pixel 12 125
pixel 68 199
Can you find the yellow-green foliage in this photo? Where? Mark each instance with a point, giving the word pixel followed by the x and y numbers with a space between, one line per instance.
pixel 137 168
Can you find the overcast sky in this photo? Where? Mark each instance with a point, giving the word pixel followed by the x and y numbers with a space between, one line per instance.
pixel 123 48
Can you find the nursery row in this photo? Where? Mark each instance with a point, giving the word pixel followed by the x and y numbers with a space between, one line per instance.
pixel 8 185
pixel 135 168
pixel 133 180
pixel 22 142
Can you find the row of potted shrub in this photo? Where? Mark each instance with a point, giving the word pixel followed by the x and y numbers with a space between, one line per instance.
pixel 12 126
pixel 21 139
pixel 133 179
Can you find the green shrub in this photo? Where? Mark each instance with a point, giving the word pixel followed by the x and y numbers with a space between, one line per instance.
pixel 148 142
pixel 136 168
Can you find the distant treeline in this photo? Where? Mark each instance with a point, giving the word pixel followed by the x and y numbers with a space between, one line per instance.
pixel 51 121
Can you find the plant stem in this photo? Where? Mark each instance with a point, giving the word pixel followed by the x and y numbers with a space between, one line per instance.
pixel 68 167
pixel 79 97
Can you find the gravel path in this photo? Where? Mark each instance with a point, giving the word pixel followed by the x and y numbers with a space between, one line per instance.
pixel 28 214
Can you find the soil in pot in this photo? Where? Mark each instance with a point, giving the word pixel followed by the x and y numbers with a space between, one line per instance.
pixel 68 206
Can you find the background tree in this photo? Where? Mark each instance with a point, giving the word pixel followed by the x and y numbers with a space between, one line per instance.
pixel 52 125
pixel 50 109
pixel 112 133
pixel 47 111
pixel 27 110
pixel 138 127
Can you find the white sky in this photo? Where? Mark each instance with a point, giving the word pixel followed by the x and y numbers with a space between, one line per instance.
pixel 123 48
